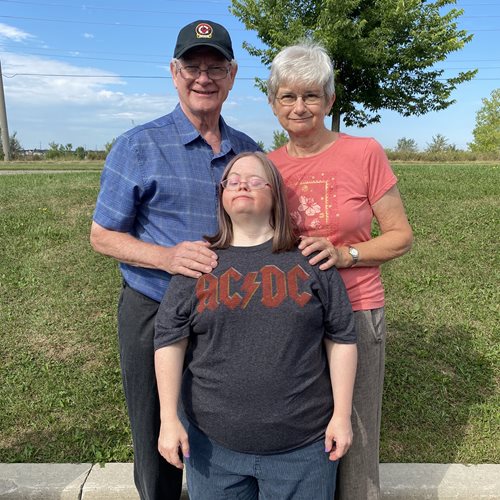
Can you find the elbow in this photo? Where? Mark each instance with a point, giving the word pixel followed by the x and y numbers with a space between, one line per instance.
pixel 407 241
pixel 95 238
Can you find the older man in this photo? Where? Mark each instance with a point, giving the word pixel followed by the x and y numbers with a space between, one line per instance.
pixel 158 198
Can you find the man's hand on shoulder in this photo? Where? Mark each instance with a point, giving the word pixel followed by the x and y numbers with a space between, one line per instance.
pixel 190 258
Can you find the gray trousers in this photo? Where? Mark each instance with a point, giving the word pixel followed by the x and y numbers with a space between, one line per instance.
pixel 155 478
pixel 358 472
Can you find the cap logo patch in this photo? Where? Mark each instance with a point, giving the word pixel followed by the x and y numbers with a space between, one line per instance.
pixel 204 30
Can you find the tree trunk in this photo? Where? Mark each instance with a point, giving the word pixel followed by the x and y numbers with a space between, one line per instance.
pixel 336 121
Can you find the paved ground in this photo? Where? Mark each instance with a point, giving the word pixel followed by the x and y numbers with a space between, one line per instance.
pixel 115 482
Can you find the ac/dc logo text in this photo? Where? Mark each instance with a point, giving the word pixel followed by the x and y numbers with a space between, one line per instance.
pixel 235 290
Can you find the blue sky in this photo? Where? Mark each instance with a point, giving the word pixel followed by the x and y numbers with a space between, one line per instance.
pixel 119 51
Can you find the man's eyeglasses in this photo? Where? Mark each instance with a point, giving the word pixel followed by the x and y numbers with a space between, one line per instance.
pixel 253 183
pixel 193 72
pixel 308 99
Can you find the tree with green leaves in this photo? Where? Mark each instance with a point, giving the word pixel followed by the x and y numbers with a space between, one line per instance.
pixel 261 145
pixel 80 152
pixel 487 130
pixel 109 145
pixel 384 51
pixel 15 147
pixel 280 138
pixel 439 144
pixel 405 145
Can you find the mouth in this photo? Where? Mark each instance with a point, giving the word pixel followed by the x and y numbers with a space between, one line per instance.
pixel 204 92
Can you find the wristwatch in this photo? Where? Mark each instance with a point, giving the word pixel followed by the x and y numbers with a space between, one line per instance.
pixel 353 252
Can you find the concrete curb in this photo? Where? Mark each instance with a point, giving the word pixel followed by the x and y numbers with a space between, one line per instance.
pixel 114 481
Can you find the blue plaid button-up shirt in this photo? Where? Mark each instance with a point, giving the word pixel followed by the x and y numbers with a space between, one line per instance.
pixel 160 185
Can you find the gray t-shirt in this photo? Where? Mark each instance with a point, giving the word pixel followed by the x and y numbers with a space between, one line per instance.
pixel 256 377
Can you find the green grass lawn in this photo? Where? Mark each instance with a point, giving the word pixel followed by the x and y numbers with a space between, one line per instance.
pixel 60 389
pixel 86 165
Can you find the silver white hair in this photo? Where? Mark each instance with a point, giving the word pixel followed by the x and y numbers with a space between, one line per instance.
pixel 306 63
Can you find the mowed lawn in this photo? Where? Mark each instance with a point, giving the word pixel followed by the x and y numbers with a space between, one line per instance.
pixel 60 389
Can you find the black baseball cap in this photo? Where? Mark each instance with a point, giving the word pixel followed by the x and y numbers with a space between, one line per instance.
pixel 204 33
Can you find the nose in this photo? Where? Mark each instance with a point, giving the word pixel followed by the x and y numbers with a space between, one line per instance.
pixel 245 186
pixel 203 78
pixel 299 106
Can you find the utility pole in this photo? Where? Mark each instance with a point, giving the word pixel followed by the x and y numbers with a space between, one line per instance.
pixel 3 121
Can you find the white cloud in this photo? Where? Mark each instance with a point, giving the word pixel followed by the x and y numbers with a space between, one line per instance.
pixel 12 33
pixel 88 35
pixel 86 110
pixel 23 81
pixel 97 106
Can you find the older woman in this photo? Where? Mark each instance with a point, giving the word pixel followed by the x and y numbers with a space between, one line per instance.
pixel 336 185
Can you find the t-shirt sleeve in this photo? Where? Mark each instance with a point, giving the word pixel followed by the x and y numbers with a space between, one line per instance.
pixel 339 318
pixel 173 319
pixel 121 188
pixel 378 172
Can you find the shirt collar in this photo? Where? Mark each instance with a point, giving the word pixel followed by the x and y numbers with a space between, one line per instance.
pixel 189 133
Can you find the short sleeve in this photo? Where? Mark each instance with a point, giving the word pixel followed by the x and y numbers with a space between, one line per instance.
pixel 121 188
pixel 173 319
pixel 378 172
pixel 339 319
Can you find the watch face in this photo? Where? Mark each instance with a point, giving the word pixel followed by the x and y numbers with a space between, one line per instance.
pixel 354 253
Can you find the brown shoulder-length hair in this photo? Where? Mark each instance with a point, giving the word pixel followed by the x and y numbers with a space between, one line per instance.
pixel 285 234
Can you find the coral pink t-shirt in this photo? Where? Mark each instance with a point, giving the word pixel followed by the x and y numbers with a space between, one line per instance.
pixel 331 195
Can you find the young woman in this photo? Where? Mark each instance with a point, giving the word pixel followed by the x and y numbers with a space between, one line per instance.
pixel 271 355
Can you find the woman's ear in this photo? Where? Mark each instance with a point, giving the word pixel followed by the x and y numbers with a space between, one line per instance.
pixel 271 103
pixel 331 101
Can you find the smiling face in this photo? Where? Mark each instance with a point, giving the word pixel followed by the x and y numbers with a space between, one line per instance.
pixel 302 119
pixel 244 201
pixel 202 97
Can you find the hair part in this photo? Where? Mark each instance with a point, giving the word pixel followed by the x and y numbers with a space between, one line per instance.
pixel 285 235
pixel 306 63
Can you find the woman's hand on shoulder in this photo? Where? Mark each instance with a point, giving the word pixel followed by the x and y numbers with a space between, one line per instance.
pixel 338 437
pixel 324 253
pixel 173 438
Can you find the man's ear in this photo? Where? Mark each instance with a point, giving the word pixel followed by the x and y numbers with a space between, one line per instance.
pixel 232 74
pixel 173 72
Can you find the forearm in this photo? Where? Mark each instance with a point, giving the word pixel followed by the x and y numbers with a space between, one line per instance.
pixel 378 250
pixel 169 362
pixel 342 361
pixel 125 248
pixel 190 258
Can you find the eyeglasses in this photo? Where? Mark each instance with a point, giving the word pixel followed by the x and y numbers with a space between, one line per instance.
pixel 308 99
pixel 193 72
pixel 253 183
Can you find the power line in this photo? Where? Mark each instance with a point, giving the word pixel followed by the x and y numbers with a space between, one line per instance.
pixel 167 77
pixel 79 52
pixel 164 61
pixel 114 9
pixel 130 25
pixel 73 75
pixel 96 23
pixel 148 11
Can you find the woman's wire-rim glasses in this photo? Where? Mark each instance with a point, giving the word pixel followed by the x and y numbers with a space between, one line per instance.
pixel 309 99
pixel 252 183
pixel 213 72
